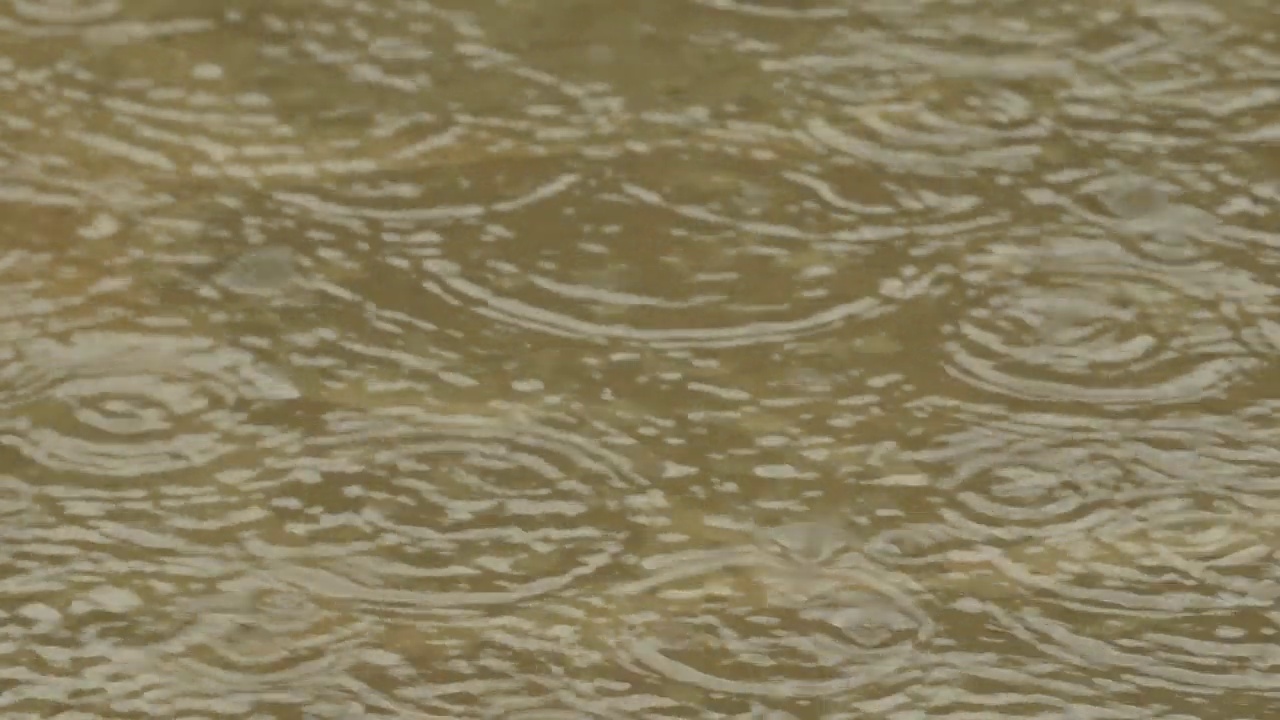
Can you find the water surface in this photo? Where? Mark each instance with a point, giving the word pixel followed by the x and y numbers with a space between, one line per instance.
pixel 677 359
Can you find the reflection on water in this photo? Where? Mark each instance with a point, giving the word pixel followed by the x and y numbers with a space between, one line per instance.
pixel 699 358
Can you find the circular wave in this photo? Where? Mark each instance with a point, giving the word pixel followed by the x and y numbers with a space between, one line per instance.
pixel 1178 554
pixel 1175 597
pixel 116 588
pixel 710 619
pixel 1131 548
pixel 1041 478
pixel 242 102
pixel 659 247
pixel 1031 501
pixel 66 12
pixel 945 109
pixel 249 630
pixel 165 628
pixel 1002 134
pixel 124 404
pixel 408 510
pixel 1085 321
pixel 781 11
pixel 1113 517
pixel 248 641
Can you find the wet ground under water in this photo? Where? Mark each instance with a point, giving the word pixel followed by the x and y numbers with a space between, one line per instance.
pixel 676 359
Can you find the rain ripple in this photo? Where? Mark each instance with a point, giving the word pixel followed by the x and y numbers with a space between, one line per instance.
pixel 127 631
pixel 405 510
pixel 707 617
pixel 138 601
pixel 1124 552
pixel 241 101
pixel 775 11
pixel 66 12
pixel 254 640
pixel 1086 320
pixel 128 404
pixel 556 255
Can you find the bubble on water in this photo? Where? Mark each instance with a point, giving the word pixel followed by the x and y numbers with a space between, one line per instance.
pixel 263 270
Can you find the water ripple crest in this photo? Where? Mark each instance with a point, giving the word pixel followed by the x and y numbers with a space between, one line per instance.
pixel 556 254
pixel 1080 320
pixel 706 618
pixel 409 510
pixel 125 404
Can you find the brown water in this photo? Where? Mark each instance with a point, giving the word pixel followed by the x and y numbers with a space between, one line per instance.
pixel 675 359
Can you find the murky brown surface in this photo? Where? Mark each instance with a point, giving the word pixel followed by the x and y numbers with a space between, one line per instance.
pixel 676 359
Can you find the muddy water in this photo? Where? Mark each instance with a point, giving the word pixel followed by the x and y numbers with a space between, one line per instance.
pixel 688 358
